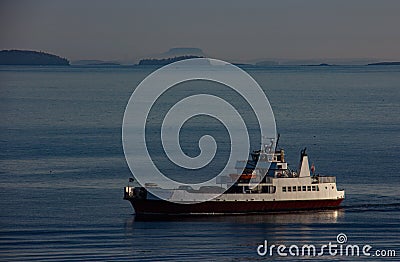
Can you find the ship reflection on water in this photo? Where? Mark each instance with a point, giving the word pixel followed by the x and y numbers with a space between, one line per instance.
pixel 229 235
pixel 293 217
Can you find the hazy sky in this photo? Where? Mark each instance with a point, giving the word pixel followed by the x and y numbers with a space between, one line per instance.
pixel 232 30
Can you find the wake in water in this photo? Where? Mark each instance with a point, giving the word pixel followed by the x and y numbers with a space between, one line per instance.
pixel 379 207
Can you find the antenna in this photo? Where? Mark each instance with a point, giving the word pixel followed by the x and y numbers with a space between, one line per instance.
pixel 277 141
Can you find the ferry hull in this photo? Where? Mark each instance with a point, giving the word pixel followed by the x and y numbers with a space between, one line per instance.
pixel 161 207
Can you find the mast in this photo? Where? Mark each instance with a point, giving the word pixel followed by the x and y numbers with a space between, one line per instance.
pixel 277 141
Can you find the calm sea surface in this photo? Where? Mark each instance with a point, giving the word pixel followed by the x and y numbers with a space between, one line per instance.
pixel 62 167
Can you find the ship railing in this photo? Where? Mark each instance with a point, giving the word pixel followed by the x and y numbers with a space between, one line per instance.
pixel 323 179
pixel 229 181
pixel 268 179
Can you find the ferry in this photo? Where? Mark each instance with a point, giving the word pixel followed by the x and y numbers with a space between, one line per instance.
pixel 263 183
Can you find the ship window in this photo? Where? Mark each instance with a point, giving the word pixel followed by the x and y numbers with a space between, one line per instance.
pixel 304 188
pixel 317 188
pixel 299 188
pixel 289 189
pixel 313 188
pixel 269 189
pixel 284 189
pixel 308 188
pixel 294 188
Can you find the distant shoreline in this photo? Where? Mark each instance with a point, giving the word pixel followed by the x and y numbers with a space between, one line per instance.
pixel 34 58
pixel 31 58
pixel 385 63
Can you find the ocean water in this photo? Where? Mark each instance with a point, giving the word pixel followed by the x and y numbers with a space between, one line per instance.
pixel 62 167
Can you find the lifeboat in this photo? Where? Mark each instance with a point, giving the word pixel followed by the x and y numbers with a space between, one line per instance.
pixel 242 176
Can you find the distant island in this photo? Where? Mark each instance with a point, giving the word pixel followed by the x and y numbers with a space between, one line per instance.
pixel 94 63
pixel 181 51
pixel 24 57
pixel 165 61
pixel 385 63
pixel 322 64
pixel 267 63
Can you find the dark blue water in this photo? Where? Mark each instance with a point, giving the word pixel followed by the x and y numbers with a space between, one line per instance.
pixel 62 168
